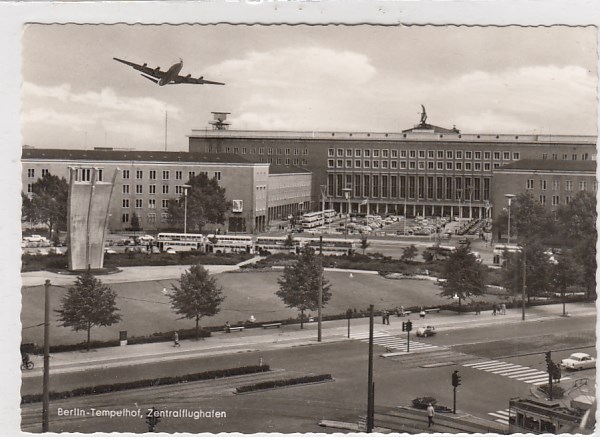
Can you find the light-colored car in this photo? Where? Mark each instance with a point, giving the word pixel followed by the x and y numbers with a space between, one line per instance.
pixel 171 251
pixel 579 361
pixel 109 250
pixel 426 331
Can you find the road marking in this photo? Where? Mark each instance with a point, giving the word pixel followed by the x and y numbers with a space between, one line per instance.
pixel 392 342
pixel 513 371
pixel 502 416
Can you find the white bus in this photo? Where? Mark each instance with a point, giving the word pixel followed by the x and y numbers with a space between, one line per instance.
pixel 329 215
pixel 230 243
pixel 499 250
pixel 275 245
pixel 330 246
pixel 311 220
pixel 180 242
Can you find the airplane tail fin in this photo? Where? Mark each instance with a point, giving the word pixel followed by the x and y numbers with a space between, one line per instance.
pixel 149 78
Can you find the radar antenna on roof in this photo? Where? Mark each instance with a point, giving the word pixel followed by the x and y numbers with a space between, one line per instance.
pixel 219 120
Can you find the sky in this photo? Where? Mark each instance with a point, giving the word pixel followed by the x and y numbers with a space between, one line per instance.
pixel 504 80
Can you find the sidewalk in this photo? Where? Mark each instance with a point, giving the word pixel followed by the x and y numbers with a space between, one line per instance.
pixel 260 339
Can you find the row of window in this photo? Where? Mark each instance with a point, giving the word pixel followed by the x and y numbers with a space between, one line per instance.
pixel 139 189
pixel 422 154
pixel 412 165
pixel 556 185
pixel 286 161
pixel 164 217
pixel 84 174
pixel 261 150
pixel 411 187
pixel 555 200
pixel 139 203
pixel 565 156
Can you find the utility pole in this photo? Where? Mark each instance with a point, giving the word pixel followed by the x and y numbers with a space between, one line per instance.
pixel 524 281
pixel 371 388
pixel 320 304
pixel 46 377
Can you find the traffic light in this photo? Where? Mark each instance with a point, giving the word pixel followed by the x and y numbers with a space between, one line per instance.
pixel 455 379
pixel 409 326
pixel 152 418
pixel 403 326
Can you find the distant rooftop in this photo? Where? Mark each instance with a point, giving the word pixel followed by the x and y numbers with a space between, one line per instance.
pixel 283 169
pixel 550 165
pixel 119 155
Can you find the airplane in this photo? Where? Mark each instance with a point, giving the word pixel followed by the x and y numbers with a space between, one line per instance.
pixel 169 77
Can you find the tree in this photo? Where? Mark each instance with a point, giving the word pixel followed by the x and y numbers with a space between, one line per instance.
pixel 197 295
pixel 529 220
pixel 135 222
pixel 48 202
pixel 88 303
pixel 409 253
pixel 562 274
pixel 364 243
pixel 299 284
pixel 536 270
pixel 464 275
pixel 206 203
pixel 289 242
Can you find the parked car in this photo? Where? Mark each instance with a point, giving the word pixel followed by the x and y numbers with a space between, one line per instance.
pixel 426 331
pixel 109 250
pixel 579 361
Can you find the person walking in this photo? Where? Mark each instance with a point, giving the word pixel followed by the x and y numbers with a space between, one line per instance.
pixel 227 327
pixel 503 308
pixel 176 339
pixel 477 309
pixel 422 313
pixel 430 414
pixel 494 309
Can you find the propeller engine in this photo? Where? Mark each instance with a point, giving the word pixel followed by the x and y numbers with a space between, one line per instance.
pixel 145 64
pixel 188 76
pixel 157 69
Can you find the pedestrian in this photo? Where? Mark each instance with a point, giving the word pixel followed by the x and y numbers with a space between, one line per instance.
pixel 494 309
pixel 430 414
pixel 503 309
pixel 402 311
pixel 387 318
pixel 477 309
pixel 383 317
pixel 176 339
pixel 422 313
pixel 252 319
pixel 227 327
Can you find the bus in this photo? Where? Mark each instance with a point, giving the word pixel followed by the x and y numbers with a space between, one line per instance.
pixel 443 252
pixel 329 215
pixel 499 250
pixel 274 245
pixel 230 244
pixel 180 242
pixel 311 220
pixel 330 246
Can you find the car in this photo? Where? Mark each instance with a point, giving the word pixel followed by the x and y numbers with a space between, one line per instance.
pixel 426 331
pixel 579 361
pixel 170 251
pixel 109 251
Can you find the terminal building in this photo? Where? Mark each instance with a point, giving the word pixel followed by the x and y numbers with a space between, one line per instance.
pixel 426 170
pixel 145 182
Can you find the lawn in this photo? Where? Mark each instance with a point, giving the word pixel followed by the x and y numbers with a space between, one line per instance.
pixel 146 310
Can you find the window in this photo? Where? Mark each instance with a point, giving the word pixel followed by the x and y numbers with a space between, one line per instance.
pixel 125 174
pixel 517 156
pixel 152 217
pixel 564 157
pixel 138 203
pixel 458 154
pixel 477 155
pixel 421 154
pixel 412 153
pixel 30 188
pixel 496 155
pixel 506 156
pixel 496 165
pixel 542 199
pixel 287 161
pixel 403 164
pixel 296 151
pixel 431 154
pixel 261 150
pixel 165 189
pixel 330 152
pixel 165 175
pixel 468 166
pixel 125 189
pixel 394 164
pixel 449 165
pixel 384 164
pixel 530 184
pixel 440 165
pixel 288 151
pixel 152 174
pixel 375 164
pixel 151 203
pixel 278 161
pixel 331 163
pixel 421 165
pixel 568 185
pixel 542 184
pixel 367 164
pixel 555 200
pixel 487 155
pixel 468 155
pixel 568 199
pixel 574 157
pixel 349 163
pixel 582 185
pixel 139 174
pixel 178 189
pixel 448 188
pixel 139 189
pixel 244 150
pixel 340 163
pixel 412 165
pixel 448 154
pixel 556 184
pixel 376 153
pixel 385 153
pixel 440 154
pixel 431 165
pixel 125 203
pixel 179 175
pixel 478 166
pixel 487 166
pixel 439 189
pixel 164 217
pixel 367 153
pixel 191 174
pixel 218 175
pixel 165 204
pixel 394 153
pixel 544 156
pixel 349 152
pixel 31 172
pixel 45 171
pixel 340 152
pixel 358 153
pixel 584 157
pixel 403 154
pixel 152 189
pixel 394 185
pixel 125 217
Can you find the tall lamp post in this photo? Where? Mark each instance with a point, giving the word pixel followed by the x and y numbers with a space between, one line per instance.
pixel 347 197
pixel 510 198
pixel 185 192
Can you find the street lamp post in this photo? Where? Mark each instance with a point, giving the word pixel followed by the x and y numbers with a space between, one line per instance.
pixel 46 375
pixel 185 193
pixel 509 197
pixel 347 197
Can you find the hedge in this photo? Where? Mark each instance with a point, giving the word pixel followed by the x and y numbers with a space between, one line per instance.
pixel 144 383
pixel 557 391
pixel 283 383
pixel 423 402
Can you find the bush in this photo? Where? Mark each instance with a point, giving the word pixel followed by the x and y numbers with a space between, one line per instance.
pixel 557 391
pixel 153 382
pixel 283 383
pixel 423 403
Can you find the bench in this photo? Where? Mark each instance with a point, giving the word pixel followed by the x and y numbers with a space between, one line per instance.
pixel 234 329
pixel 271 325
pixel 431 310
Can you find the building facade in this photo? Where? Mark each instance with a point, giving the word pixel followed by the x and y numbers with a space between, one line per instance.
pixel 426 170
pixel 145 182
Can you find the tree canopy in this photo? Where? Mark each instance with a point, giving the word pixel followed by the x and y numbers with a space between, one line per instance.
pixel 197 295
pixel 409 253
pixel 206 203
pixel 299 284
pixel 47 203
pixel 464 275
pixel 88 303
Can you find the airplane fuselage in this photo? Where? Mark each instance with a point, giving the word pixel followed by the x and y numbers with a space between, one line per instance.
pixel 171 74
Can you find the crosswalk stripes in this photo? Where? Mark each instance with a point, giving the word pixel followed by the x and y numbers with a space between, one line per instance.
pixel 513 371
pixel 501 416
pixel 391 342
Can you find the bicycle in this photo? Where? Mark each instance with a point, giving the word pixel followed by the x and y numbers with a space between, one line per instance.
pixel 27 365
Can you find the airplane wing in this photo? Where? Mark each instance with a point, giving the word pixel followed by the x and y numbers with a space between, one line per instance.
pixel 154 72
pixel 198 81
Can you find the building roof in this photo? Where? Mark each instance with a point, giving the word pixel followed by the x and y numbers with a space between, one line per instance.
pixel 283 169
pixel 424 127
pixel 550 165
pixel 131 155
